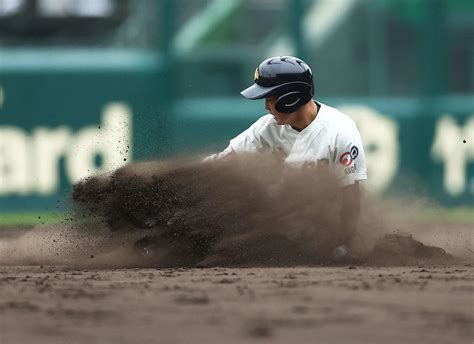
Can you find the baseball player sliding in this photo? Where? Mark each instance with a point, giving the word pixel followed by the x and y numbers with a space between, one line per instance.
pixel 305 132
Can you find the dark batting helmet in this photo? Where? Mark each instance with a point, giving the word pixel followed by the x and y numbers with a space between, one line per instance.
pixel 288 78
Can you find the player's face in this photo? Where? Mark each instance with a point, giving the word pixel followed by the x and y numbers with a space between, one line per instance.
pixel 280 117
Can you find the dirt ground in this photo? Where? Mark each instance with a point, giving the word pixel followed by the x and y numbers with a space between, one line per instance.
pixel 417 304
pixel 72 296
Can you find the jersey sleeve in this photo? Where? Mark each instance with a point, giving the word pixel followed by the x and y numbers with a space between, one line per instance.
pixel 350 164
pixel 220 156
pixel 250 140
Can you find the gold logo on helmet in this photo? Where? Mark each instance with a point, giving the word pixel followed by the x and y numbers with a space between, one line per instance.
pixel 256 75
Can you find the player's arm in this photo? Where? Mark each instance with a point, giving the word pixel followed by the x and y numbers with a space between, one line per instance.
pixel 249 141
pixel 350 212
pixel 227 153
pixel 350 169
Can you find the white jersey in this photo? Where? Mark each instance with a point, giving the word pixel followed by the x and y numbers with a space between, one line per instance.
pixel 331 138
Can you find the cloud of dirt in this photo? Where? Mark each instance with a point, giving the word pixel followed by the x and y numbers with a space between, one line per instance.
pixel 251 211
pixel 84 245
pixel 429 223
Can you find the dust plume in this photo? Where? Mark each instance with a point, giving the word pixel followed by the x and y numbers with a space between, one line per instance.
pixel 250 211
pixel 73 244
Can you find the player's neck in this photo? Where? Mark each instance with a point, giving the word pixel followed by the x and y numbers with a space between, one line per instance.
pixel 304 116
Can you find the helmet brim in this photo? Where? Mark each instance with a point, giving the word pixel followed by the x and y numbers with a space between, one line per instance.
pixel 257 92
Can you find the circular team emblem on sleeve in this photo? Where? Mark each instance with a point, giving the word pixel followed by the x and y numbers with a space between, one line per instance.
pixel 354 152
pixel 346 159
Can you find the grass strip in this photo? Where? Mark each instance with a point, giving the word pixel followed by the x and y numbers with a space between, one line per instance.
pixel 11 219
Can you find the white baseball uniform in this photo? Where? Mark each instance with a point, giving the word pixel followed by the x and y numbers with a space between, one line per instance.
pixel 331 138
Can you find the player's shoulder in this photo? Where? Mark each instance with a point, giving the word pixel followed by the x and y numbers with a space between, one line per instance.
pixel 264 122
pixel 266 119
pixel 333 119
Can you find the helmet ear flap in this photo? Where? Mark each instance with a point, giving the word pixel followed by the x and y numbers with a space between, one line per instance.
pixel 286 102
pixel 294 97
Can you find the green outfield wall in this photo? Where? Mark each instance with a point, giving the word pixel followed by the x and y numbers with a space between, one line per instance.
pixel 60 124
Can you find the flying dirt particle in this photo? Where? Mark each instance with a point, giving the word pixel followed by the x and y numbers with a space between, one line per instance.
pixel 290 276
pixel 98 127
pixel 227 281
pixel 92 256
pixel 261 329
pixel 187 299
pixel 300 309
pixel 463 141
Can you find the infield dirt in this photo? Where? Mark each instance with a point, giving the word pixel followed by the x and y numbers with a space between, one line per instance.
pixel 53 304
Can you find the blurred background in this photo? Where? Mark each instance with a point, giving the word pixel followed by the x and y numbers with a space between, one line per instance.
pixel 87 86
